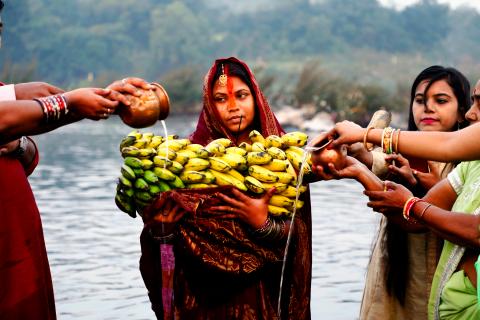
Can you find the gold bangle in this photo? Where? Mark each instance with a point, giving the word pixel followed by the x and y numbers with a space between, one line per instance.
pixel 365 139
pixel 420 216
pixel 396 141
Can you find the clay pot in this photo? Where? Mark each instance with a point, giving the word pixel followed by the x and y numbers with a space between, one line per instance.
pixel 146 109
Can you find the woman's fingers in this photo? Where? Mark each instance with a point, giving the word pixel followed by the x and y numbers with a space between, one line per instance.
pixel 232 202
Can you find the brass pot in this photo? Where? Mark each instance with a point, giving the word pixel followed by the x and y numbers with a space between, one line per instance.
pixel 324 155
pixel 146 109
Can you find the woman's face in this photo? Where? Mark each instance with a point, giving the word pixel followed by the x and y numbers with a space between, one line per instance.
pixel 235 104
pixel 473 114
pixel 438 111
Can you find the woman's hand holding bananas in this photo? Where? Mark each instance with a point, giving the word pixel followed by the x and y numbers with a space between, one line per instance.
pixel 252 211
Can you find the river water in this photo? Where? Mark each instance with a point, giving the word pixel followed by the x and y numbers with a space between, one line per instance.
pixel 93 247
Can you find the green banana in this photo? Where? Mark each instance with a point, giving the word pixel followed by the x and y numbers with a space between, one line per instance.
pixel 133 162
pixel 125 182
pixel 126 205
pixel 150 177
pixel 127 172
pixel 163 186
pixel 298 139
pixel 127 142
pixel 262 174
pixel 154 190
pixel 141 184
pixel 138 172
pixel 143 196
pixel 176 183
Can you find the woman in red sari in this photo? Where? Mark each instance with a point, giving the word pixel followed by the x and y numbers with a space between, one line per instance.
pixel 203 256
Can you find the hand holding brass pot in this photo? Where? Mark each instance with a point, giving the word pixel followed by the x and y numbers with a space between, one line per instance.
pixel 322 155
pixel 146 109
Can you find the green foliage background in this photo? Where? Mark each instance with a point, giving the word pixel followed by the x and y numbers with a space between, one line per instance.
pixel 343 56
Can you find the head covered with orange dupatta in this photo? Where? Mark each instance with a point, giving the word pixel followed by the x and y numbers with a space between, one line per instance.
pixel 210 127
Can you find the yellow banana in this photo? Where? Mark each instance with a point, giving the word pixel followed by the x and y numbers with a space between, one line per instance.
pixel 127 142
pixel 223 141
pixel 219 164
pixel 258 147
pixel 279 187
pixel 215 148
pixel 191 177
pixel 297 138
pixel 146 164
pixel 237 175
pixel 277 153
pixel 291 170
pixel 256 136
pixel 262 174
pixel 258 158
pixel 146 152
pixel 197 164
pixel 283 177
pixel 193 147
pixel 276 165
pixel 184 155
pixel 147 136
pixel 155 142
pixel 160 161
pixel 183 142
pixel 277 211
pixel 290 192
pixel 234 160
pixel 172 145
pixel 236 150
pixel 223 179
pixel 254 185
pixel 175 167
pixel 172 137
pixel 273 141
pixel 202 153
pixel 209 177
pixel 294 158
pixel 130 152
pixel 281 201
pixel 299 204
pixel 136 134
pixel 245 146
pixel 198 185
pixel 140 143
pixel 164 174
pixel 170 154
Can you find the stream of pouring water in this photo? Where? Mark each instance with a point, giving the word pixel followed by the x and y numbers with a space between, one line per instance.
pixel 285 255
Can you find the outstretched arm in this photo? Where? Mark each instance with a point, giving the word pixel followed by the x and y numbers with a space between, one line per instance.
pixel 461 145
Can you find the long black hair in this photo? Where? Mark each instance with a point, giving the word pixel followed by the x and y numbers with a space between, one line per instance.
pixel 396 239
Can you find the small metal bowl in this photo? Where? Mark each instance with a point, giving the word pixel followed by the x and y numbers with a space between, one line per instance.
pixel 146 109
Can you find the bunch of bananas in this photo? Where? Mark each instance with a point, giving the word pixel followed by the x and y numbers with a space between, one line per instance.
pixel 154 164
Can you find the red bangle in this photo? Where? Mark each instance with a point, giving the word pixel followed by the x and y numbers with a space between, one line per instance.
pixel 408 206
